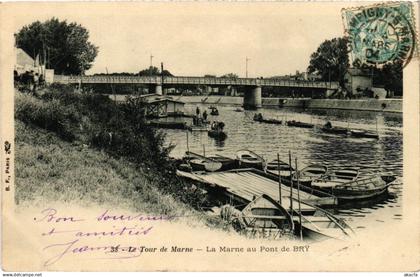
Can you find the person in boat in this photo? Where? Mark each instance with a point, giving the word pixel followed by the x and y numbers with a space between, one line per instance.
pixel 328 125
pixel 205 115
pixel 220 126
pixel 258 117
pixel 197 111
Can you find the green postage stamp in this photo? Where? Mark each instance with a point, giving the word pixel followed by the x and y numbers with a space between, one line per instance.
pixel 381 34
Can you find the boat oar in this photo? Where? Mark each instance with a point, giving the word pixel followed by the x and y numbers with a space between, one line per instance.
pixel 291 182
pixel 300 209
pixel 188 149
pixel 278 166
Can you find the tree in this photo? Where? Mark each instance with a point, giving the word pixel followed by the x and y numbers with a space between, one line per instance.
pixel 64 46
pixel 330 60
pixel 390 76
pixel 230 76
pixel 153 71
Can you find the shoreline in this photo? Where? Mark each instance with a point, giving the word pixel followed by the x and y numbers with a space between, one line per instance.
pixel 373 105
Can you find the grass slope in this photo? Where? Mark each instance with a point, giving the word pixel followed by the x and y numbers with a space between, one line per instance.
pixel 50 169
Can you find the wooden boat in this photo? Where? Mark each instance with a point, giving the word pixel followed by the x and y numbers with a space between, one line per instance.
pixel 271 121
pixel 227 163
pixel 201 163
pixel 285 169
pixel 363 188
pixel 322 226
pixel 205 165
pixel 214 111
pixel 248 159
pixel 363 134
pixel 265 215
pixel 310 173
pixel 334 130
pixel 259 118
pixel 217 134
pixel 293 123
pixel 167 124
pixel 336 177
pixel 199 128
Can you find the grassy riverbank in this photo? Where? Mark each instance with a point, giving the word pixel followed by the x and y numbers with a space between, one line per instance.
pixel 64 153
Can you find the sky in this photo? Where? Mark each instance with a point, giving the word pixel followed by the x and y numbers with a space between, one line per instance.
pixel 193 39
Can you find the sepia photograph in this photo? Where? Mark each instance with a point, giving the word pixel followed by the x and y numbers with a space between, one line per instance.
pixel 210 136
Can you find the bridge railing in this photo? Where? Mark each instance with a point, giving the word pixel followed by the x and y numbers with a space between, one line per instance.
pixel 185 80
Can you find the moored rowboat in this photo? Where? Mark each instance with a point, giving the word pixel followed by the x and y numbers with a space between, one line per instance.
pixel 285 169
pixel 310 173
pixel 201 163
pixel 266 214
pixel 293 123
pixel 227 163
pixel 336 177
pixel 363 188
pixel 248 158
pixel 363 134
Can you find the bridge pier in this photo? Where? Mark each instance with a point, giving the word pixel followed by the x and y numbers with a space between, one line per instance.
pixel 253 98
pixel 158 89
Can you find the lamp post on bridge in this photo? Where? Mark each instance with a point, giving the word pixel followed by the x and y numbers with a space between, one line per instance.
pixel 151 64
pixel 246 67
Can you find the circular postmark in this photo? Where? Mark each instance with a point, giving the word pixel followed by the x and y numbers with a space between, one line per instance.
pixel 381 34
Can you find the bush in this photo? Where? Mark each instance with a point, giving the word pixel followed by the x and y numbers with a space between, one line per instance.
pixel 120 130
pixel 51 116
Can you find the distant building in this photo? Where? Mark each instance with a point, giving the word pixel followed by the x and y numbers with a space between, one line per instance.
pixel 298 76
pixel 161 106
pixel 358 81
pixel 312 77
pixel 25 63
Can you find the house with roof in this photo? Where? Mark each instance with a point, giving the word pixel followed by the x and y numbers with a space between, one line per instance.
pixel 358 81
pixel 161 106
pixel 25 63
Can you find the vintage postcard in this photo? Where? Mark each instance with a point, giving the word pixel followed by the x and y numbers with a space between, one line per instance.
pixel 210 136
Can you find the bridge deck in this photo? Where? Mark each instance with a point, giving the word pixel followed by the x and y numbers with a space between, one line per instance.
pixel 156 80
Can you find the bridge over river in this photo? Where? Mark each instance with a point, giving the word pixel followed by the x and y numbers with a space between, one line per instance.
pixel 252 96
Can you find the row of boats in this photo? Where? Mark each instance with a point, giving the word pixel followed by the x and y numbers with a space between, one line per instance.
pixel 326 128
pixel 262 216
pixel 344 183
pixel 265 217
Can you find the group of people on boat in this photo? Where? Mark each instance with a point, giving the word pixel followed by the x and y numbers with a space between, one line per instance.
pixel 258 116
pixel 217 125
pixel 198 119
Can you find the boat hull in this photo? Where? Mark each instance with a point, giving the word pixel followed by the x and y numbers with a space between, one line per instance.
pixel 366 188
pixel 248 159
pixel 217 134
pixel 269 121
pixel 335 130
pixel 363 134
pixel 227 163
pixel 346 195
pixel 299 124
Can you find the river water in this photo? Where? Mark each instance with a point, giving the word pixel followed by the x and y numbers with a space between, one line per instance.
pixel 312 146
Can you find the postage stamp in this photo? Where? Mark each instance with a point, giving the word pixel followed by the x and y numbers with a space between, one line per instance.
pixel 380 34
